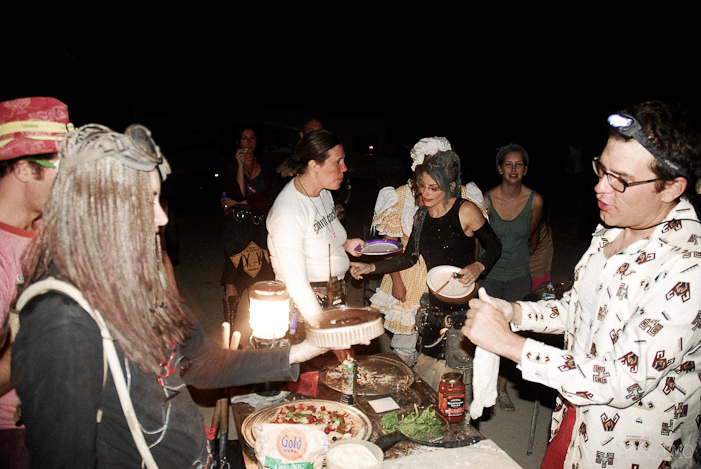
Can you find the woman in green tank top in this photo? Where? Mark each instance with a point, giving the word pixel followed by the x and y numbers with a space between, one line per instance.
pixel 514 214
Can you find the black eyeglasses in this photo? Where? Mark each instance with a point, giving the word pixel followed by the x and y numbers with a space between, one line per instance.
pixel 615 181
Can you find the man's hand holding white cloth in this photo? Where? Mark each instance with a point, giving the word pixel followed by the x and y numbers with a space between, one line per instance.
pixel 487 326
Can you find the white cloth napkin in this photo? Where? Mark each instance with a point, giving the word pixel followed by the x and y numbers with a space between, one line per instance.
pixel 485 372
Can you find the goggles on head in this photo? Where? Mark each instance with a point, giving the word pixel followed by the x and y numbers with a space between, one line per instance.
pixel 628 126
pixel 135 149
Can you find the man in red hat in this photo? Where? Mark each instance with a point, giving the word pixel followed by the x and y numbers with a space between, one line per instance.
pixel 30 129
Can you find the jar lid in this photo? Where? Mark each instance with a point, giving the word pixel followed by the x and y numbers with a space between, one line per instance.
pixel 452 377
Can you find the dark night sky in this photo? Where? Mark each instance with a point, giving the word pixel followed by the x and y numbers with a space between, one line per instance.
pixel 413 87
pixel 481 77
pixel 480 97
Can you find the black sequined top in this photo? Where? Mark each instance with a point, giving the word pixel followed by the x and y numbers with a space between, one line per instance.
pixel 442 241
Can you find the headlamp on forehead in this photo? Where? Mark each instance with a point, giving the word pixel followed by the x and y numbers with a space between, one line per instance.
pixel 629 127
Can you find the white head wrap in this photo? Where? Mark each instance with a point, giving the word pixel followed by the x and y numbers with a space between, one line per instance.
pixel 428 146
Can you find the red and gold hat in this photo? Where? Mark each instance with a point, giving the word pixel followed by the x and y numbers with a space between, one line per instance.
pixel 32 126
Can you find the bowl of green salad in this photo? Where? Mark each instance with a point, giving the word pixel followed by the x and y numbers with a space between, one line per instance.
pixel 422 423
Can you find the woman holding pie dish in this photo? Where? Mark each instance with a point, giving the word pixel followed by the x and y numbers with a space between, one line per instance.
pixel 308 244
pixel 105 350
pixel 445 232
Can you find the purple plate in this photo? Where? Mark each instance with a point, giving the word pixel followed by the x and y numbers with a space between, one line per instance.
pixel 380 247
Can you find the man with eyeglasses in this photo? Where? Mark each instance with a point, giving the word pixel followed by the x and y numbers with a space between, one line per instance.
pixel 29 133
pixel 629 376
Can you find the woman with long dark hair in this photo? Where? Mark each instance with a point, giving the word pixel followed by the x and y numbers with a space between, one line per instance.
pixel 248 194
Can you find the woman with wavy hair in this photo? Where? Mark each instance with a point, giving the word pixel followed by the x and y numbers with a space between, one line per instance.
pixel 445 232
pixel 100 236
pixel 399 296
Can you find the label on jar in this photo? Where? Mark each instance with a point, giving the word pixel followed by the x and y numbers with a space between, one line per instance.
pixel 451 405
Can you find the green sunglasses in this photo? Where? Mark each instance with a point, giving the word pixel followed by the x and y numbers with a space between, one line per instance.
pixel 44 163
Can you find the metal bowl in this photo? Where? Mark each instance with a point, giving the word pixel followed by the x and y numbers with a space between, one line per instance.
pixel 455 292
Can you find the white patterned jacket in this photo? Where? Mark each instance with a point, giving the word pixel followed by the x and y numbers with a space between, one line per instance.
pixel 632 371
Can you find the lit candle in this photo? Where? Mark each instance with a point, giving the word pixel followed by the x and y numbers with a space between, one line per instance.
pixel 235 339
pixel 226 328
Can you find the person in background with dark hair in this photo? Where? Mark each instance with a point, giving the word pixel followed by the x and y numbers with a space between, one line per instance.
pixel 629 390
pixel 249 190
pixel 29 133
pixel 99 235
pixel 341 196
pixel 310 125
pixel 308 244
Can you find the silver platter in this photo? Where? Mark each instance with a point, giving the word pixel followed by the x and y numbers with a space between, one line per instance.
pixel 249 432
pixel 377 375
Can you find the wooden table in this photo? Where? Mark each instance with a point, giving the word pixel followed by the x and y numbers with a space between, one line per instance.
pixel 427 396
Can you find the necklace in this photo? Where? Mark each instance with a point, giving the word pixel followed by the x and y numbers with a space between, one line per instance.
pixel 248 175
pixel 665 221
pixel 323 219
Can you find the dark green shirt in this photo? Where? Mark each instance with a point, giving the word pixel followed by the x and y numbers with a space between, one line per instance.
pixel 515 257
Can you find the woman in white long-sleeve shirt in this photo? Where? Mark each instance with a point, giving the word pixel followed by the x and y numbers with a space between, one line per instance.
pixel 307 242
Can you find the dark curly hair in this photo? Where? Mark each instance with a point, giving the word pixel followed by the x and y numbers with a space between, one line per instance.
pixel 675 131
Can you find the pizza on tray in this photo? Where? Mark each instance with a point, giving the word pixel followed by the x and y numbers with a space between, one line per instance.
pixel 337 423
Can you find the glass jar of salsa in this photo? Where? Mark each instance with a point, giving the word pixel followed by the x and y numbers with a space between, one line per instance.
pixel 451 397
